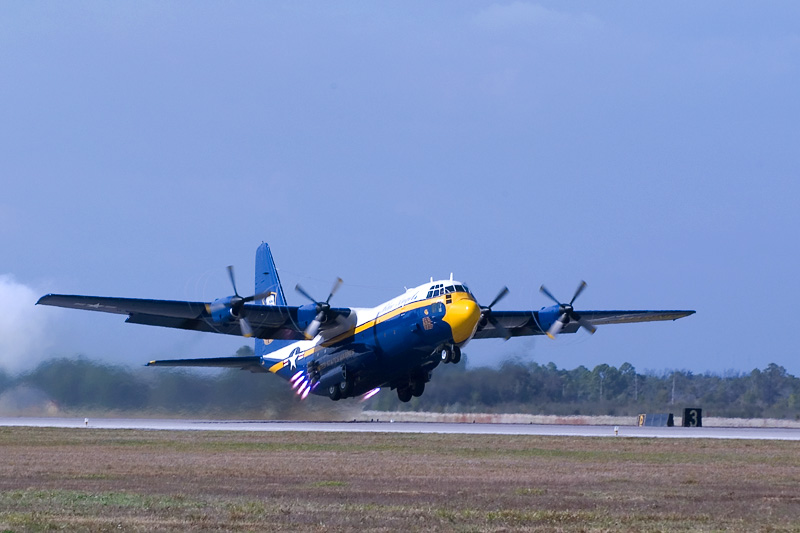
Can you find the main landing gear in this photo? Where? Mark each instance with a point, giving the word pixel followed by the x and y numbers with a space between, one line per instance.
pixel 450 354
pixel 414 387
pixel 343 389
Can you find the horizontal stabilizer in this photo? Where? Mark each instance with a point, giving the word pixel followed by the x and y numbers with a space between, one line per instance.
pixel 251 363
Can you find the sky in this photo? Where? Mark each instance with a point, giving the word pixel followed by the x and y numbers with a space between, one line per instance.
pixel 651 150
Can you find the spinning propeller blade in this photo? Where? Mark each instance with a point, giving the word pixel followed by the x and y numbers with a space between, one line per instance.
pixel 567 313
pixel 323 308
pixel 486 312
pixel 237 302
pixel 233 280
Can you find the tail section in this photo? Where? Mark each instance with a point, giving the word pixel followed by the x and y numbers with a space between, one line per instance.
pixel 267 280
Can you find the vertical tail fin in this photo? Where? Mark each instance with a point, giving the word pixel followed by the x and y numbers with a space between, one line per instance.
pixel 267 280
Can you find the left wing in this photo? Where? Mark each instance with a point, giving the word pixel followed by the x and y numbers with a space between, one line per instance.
pixel 524 323
pixel 266 321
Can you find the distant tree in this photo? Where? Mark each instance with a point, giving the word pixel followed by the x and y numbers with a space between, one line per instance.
pixel 83 383
pixel 245 351
pixel 5 381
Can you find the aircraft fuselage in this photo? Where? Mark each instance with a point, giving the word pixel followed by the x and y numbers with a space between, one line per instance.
pixel 395 344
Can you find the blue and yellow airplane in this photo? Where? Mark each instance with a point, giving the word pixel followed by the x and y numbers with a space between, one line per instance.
pixel 346 352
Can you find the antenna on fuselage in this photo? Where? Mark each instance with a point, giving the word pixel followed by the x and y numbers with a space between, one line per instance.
pixel 451 276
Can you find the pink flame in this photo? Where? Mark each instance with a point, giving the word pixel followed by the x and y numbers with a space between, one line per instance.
pixel 370 394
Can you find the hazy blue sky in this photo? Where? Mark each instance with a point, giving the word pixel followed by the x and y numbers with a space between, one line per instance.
pixel 652 150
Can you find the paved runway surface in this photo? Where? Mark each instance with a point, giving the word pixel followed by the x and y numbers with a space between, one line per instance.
pixel 408 427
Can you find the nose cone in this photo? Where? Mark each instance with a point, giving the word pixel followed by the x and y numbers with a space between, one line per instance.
pixel 463 316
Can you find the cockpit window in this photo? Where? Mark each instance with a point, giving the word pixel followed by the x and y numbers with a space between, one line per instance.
pixel 435 291
pixel 440 288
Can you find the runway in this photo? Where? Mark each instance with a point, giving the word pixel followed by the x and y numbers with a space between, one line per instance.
pixel 407 427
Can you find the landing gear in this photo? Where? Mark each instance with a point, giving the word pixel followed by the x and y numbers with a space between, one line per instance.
pixel 450 354
pixel 333 392
pixel 404 394
pixel 345 388
pixel 414 387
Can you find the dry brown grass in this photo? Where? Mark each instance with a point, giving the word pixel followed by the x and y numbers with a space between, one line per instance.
pixel 90 479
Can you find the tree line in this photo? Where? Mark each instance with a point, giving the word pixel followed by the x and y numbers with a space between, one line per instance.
pixel 72 385
pixel 529 387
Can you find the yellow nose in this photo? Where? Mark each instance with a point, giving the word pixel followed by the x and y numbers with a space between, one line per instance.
pixel 463 315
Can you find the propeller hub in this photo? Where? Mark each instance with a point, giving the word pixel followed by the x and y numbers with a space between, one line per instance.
pixel 486 314
pixel 323 308
pixel 567 312
pixel 231 307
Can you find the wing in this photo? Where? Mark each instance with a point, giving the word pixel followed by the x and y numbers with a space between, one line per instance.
pixel 523 323
pixel 267 321
pixel 251 363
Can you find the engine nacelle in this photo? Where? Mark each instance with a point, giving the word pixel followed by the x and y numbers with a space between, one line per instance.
pixel 338 326
pixel 548 315
pixel 305 315
pixel 328 326
pixel 222 309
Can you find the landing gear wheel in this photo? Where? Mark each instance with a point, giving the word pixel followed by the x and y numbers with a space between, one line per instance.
pixel 333 392
pixel 404 394
pixel 456 355
pixel 345 388
pixel 446 355
pixel 417 388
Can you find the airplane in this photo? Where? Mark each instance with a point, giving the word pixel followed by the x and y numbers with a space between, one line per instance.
pixel 348 352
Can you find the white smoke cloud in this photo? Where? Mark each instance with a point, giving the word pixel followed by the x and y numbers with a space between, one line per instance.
pixel 23 326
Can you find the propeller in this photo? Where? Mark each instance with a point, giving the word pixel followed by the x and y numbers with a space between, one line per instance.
pixel 323 308
pixel 486 312
pixel 236 302
pixel 567 313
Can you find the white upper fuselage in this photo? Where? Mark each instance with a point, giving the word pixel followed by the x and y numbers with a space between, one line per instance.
pixel 426 291
pixel 362 316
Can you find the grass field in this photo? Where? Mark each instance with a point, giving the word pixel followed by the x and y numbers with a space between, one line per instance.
pixel 87 479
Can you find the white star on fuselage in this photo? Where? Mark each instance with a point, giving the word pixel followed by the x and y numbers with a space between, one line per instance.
pixel 293 360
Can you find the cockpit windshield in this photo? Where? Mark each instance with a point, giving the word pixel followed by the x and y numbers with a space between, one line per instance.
pixel 441 288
